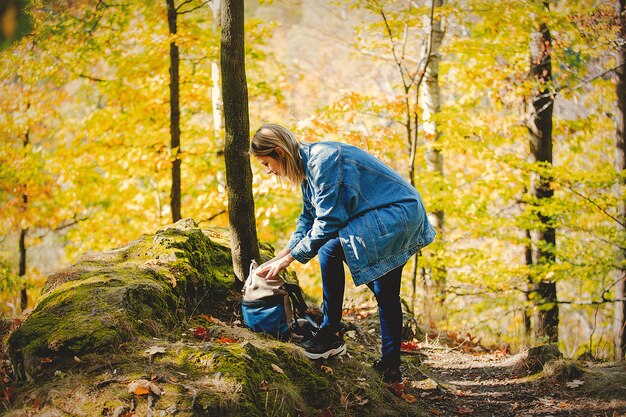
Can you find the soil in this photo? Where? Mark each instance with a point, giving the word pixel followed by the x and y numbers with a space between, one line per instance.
pixel 493 384
pixel 447 377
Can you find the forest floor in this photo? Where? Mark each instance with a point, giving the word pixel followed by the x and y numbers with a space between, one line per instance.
pixel 442 377
pixel 453 382
pixel 447 374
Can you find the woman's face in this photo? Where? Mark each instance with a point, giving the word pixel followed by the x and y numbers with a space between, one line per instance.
pixel 272 166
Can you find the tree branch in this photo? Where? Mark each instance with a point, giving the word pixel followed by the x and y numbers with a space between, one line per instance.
pixel 567 186
pixel 208 219
pixel 204 3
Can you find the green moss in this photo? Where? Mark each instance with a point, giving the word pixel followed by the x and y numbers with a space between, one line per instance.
pixel 109 308
pixel 144 289
pixel 312 383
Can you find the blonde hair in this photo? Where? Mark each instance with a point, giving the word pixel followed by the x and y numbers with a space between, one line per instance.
pixel 271 136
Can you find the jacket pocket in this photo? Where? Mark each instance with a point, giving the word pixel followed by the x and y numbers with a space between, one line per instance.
pixel 356 239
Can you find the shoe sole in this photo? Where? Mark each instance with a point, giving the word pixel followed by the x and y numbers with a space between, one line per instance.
pixel 325 355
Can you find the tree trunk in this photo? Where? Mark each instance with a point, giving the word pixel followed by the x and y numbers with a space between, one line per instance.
pixel 22 244
pixel 543 292
pixel 430 98
pixel 216 90
pixel 620 166
pixel 22 273
pixel 527 316
pixel 243 236
pixel 174 113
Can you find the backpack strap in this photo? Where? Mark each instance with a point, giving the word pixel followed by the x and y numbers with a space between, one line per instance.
pixel 298 304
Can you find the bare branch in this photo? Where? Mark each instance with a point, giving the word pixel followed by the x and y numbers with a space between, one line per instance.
pixel 208 219
pixel 564 88
pixel 194 8
pixel 588 199
pixel 183 3
pixel 89 77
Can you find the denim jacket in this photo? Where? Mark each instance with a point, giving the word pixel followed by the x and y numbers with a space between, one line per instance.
pixel 379 217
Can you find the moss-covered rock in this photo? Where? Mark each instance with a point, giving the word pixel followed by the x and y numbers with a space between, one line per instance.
pixel 163 311
pixel 143 289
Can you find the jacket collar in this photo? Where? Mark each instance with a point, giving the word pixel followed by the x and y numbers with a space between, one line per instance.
pixel 305 153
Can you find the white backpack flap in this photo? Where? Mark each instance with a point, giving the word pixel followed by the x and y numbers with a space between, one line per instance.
pixel 256 287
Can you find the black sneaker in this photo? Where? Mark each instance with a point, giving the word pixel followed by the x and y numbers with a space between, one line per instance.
pixel 390 375
pixel 324 344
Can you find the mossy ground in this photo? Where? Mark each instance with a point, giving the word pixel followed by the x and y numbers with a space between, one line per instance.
pixel 229 371
pixel 135 313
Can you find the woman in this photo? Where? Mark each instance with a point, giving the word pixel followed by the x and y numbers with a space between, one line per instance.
pixel 356 210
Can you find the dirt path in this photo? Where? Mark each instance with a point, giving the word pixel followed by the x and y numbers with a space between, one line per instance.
pixel 463 384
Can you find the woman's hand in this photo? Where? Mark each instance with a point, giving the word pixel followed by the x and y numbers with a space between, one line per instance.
pixel 272 268
pixel 278 256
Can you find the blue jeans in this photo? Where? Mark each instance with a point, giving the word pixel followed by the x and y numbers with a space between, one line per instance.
pixel 386 289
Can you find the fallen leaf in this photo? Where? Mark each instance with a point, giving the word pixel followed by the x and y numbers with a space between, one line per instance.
pixel 36 404
pixel 462 409
pixel 396 388
pixel 225 339
pixel 277 369
pixel 212 319
pixel 77 359
pixel 141 391
pixel 410 399
pixel 410 346
pixel 8 393
pixel 436 412
pixel 200 332
pixel 46 360
pixel 143 387
pixel 575 383
pixel 172 280
pixel 153 350
pixel 327 369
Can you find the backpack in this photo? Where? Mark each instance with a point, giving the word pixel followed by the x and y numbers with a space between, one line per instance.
pixel 275 307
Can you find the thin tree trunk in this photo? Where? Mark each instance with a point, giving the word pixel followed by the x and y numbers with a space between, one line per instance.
pixel 543 293
pixel 430 98
pixel 174 113
pixel 22 244
pixel 22 272
pixel 620 166
pixel 528 255
pixel 243 236
pixel 216 90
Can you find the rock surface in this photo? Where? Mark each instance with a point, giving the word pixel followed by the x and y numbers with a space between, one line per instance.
pixel 106 299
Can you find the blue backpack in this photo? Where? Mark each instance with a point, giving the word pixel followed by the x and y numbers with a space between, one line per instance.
pixel 275 307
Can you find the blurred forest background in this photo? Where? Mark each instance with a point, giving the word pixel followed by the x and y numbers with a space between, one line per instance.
pixel 504 114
